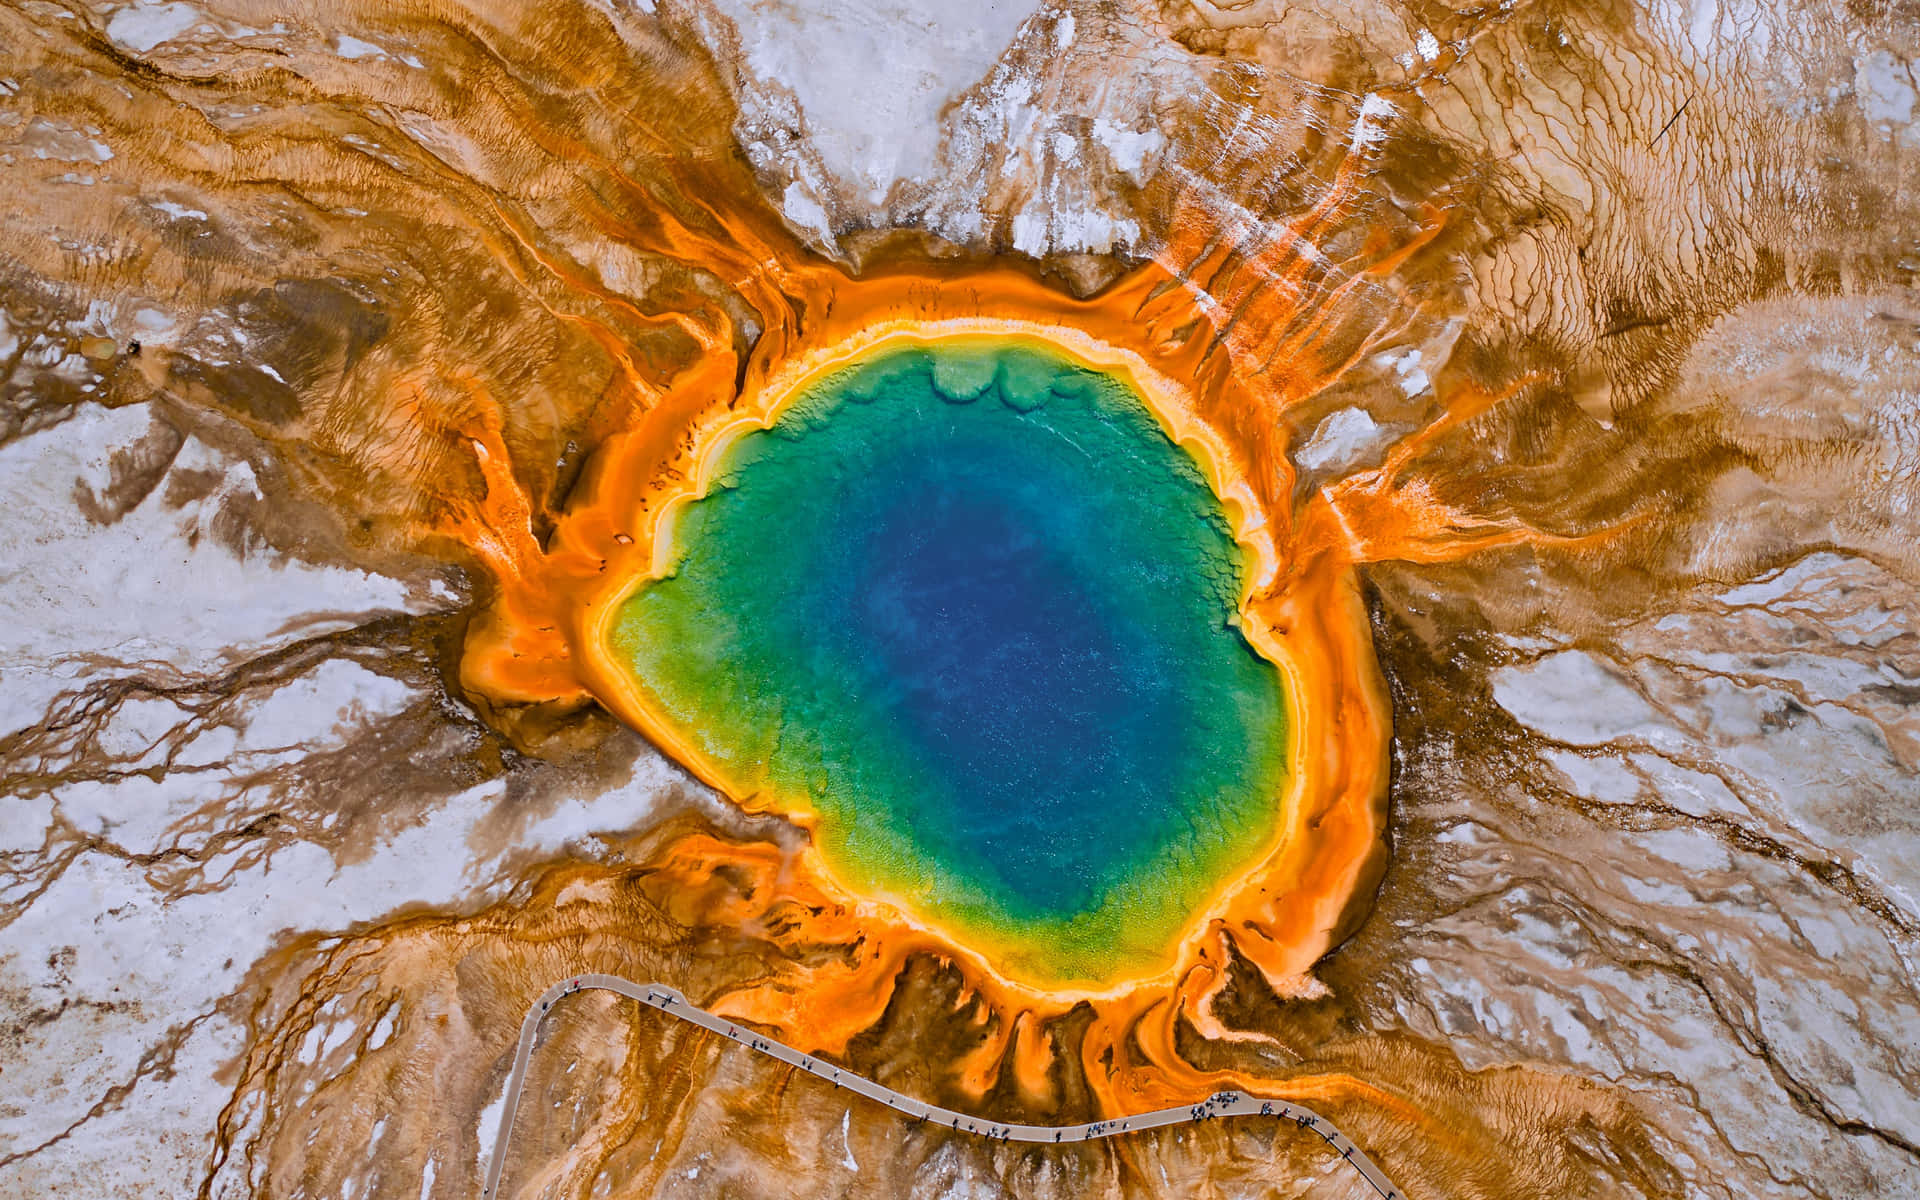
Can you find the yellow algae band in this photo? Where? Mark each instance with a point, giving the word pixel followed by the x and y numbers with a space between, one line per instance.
pixel 967 605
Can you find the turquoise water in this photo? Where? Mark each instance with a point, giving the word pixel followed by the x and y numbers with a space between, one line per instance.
pixel 968 603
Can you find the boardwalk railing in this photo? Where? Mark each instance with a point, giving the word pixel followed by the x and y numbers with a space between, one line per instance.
pixel 667 1000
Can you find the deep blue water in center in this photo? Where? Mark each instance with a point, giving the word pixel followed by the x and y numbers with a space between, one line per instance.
pixel 1009 672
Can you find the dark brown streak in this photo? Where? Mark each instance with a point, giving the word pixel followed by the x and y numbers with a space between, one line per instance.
pixel 157 1061
pixel 1670 121
pixel 1615 330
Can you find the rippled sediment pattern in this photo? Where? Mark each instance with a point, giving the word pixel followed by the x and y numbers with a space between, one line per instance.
pixel 970 605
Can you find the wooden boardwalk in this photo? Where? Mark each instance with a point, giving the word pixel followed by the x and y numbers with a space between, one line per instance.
pixel 667 1000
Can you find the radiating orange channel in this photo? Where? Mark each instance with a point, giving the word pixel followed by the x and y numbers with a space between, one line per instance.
pixel 1223 341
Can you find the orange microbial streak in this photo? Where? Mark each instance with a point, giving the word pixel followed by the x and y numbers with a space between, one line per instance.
pixel 1225 333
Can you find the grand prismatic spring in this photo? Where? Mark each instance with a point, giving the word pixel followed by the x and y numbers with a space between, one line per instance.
pixel 968 605
pixel 1059 561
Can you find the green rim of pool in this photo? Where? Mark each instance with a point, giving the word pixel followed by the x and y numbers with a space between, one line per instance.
pixel 967 603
